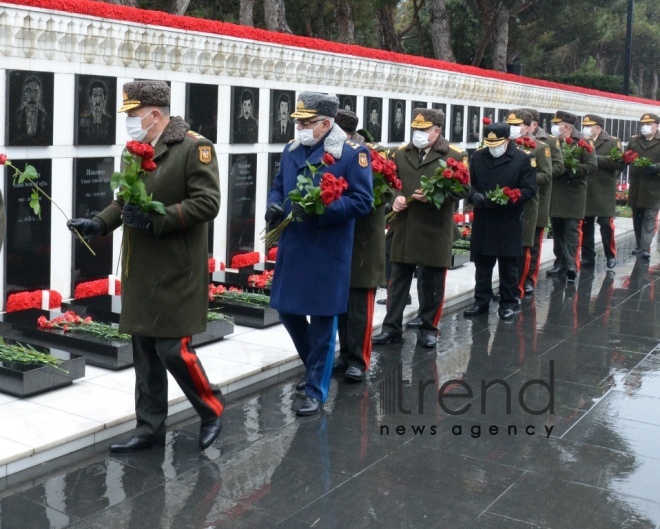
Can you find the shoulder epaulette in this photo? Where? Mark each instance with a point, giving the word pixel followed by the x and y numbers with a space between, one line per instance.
pixel 352 144
pixel 402 146
pixel 455 149
pixel 195 135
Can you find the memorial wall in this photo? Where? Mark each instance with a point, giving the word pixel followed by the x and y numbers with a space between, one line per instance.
pixel 61 74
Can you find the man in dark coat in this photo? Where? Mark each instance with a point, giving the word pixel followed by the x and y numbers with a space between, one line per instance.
pixel 312 271
pixel 544 192
pixel 367 274
pixel 644 193
pixel 497 230
pixel 165 265
pixel 246 128
pixel 569 197
pixel 520 122
pixel 423 235
pixel 601 192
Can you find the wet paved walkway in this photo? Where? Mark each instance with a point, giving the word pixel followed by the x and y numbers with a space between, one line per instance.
pixel 386 453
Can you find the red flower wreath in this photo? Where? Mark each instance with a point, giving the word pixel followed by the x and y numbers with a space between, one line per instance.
pixel 245 259
pixel 31 300
pixel 95 288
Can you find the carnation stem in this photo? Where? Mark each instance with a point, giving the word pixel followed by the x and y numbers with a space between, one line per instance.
pixel 38 189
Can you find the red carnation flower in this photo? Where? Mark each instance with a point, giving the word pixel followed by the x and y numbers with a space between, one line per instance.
pixel 328 159
pixel 143 150
pixel 486 120
pixel 3 159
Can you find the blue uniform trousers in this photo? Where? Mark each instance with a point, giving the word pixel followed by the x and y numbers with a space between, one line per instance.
pixel 315 343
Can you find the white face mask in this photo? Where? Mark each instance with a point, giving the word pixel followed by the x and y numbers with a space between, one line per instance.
pixel 420 139
pixel 647 130
pixel 498 151
pixel 306 136
pixel 554 130
pixel 134 127
pixel 587 132
pixel 516 132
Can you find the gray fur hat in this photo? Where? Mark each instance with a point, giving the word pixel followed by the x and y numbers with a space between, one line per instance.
pixel 347 120
pixel 519 116
pixel 145 94
pixel 423 118
pixel 312 104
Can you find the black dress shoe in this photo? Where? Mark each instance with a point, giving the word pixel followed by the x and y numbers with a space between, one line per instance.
pixel 353 374
pixel 528 287
pixel 611 263
pixel 209 432
pixel 300 386
pixel 571 274
pixel 645 255
pixel 506 314
pixel 496 297
pixel 556 271
pixel 133 445
pixel 339 366
pixel 310 406
pixel 382 301
pixel 417 322
pixel 387 337
pixel 587 263
pixel 475 310
pixel 428 340
pixel 636 251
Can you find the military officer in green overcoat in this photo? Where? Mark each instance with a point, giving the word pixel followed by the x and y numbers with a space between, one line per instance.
pixel 601 192
pixel 569 195
pixel 165 265
pixel 644 193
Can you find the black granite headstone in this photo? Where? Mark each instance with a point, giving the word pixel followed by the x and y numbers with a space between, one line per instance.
pixel 418 104
pixel 373 117
pixel 28 242
pixel 241 204
pixel 202 110
pixel 490 113
pixel 29 108
pixel 397 120
pixel 244 115
pixel 91 194
pixel 347 102
pixel 456 126
pixel 274 159
pixel 474 125
pixel 545 122
pixel 96 110
pixel 282 103
pixel 443 107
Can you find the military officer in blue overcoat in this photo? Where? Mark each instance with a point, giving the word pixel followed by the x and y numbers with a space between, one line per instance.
pixel 312 271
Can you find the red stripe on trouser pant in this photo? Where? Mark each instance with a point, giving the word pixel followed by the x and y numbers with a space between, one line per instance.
pixel 199 378
pixel 366 341
pixel 612 242
pixel 579 246
pixel 527 254
pixel 438 314
pixel 538 257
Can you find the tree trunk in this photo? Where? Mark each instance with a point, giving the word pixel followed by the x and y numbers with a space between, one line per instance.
pixel 640 83
pixel 246 16
pixel 388 36
pixel 275 15
pixel 501 40
pixel 179 7
pixel 653 91
pixel 440 30
pixel 345 21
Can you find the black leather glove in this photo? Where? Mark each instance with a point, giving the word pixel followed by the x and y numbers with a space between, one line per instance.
pixel 652 169
pixel 134 217
pixel 567 173
pixel 86 227
pixel 482 201
pixel 274 212
pixel 298 210
pixel 387 208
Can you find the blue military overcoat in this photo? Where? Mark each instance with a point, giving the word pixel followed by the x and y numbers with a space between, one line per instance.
pixel 312 271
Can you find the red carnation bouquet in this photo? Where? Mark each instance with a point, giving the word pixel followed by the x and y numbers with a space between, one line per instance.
pixel 573 150
pixel 242 260
pixel 450 177
pixel 137 163
pixel 385 176
pixel 263 280
pixel 71 322
pixel 272 254
pixel 503 195
pixel 637 160
pixel 314 199
pixel 526 143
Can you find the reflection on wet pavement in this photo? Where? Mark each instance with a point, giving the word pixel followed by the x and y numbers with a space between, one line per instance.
pixel 551 421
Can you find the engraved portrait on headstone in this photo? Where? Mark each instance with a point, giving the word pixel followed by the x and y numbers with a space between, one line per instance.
pixel 282 128
pixel 397 120
pixel 347 102
pixel 96 110
pixel 202 110
pixel 372 119
pixel 474 125
pixel 245 114
pixel 457 113
pixel 29 108
pixel 490 114
pixel 440 106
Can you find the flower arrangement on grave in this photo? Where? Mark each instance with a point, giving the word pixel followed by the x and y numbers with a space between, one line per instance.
pixel 71 322
pixel 26 354
pixel 32 300
pixel 222 293
pixel 98 287
pixel 212 263
pixel 212 316
pixel 245 259
pixel 263 280
pixel 272 254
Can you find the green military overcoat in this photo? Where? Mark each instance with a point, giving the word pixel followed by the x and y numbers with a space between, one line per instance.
pixel 601 185
pixel 165 270
pixel 541 158
pixel 545 192
pixel 569 192
pixel 644 188
pixel 423 235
